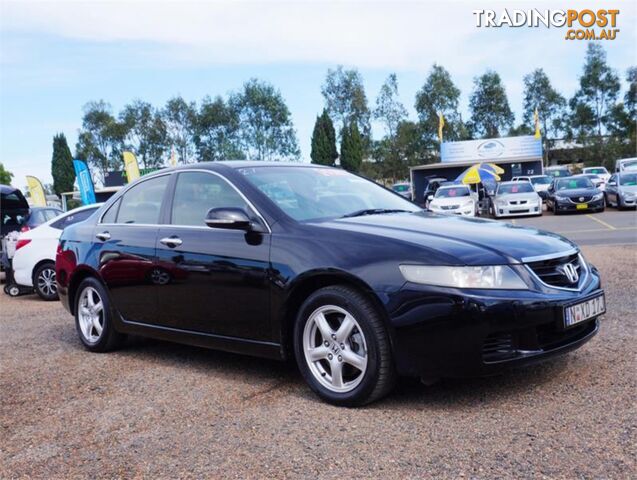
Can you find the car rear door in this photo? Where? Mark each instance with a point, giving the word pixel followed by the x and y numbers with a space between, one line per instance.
pixel 211 280
pixel 125 243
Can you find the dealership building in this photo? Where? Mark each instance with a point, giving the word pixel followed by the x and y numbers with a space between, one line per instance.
pixel 515 155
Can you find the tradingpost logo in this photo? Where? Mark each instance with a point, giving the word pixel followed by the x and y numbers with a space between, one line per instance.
pixel 581 24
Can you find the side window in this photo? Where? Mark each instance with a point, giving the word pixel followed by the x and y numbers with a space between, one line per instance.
pixel 198 192
pixel 111 214
pixel 142 203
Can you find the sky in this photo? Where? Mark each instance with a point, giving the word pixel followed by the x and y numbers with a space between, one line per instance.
pixel 57 56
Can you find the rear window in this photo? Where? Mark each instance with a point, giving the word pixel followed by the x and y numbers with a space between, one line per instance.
pixel 73 218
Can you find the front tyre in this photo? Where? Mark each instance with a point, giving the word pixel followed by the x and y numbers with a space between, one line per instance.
pixel 94 317
pixel 44 282
pixel 342 347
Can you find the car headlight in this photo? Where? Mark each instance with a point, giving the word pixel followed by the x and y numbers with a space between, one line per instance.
pixel 598 196
pixel 483 277
pixel 627 195
pixel 468 203
pixel 559 198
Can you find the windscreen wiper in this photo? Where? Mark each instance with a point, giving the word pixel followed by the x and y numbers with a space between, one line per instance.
pixel 374 211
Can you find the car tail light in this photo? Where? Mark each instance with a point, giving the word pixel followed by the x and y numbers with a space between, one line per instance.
pixel 21 243
pixel 59 249
pixel 25 228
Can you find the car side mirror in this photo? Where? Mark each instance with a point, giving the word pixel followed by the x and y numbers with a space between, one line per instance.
pixel 228 218
pixel 430 197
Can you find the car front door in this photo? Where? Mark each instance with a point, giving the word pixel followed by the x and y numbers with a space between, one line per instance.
pixel 125 241
pixel 213 280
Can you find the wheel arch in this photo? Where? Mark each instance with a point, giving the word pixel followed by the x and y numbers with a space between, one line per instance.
pixel 81 273
pixel 38 265
pixel 310 282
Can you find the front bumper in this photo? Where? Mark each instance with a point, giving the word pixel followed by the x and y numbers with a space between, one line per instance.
pixel 462 211
pixel 443 332
pixel 518 210
pixel 628 202
pixel 569 206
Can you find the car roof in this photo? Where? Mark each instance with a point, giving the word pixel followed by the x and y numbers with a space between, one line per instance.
pixel 454 185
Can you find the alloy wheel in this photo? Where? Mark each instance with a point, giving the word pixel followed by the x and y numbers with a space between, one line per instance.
pixel 46 282
pixel 335 348
pixel 91 314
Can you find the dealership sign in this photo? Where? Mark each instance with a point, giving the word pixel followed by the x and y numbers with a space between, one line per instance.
pixel 508 148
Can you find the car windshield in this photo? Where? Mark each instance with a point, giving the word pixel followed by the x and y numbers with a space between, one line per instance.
pixel 310 193
pixel 451 192
pixel 401 188
pixel 517 187
pixel 544 180
pixel 572 183
pixel 628 179
pixel 629 165
pixel 595 170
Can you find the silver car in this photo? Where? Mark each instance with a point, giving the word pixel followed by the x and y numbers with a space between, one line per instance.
pixel 621 190
pixel 515 199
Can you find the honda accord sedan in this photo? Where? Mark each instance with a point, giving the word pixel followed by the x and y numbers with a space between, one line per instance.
pixel 351 280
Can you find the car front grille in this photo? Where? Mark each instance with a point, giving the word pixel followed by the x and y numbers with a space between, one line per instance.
pixel 581 199
pixel 450 207
pixel 554 271
pixel 518 202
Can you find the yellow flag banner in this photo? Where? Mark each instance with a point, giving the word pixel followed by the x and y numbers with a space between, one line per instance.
pixel 38 197
pixel 131 166
pixel 441 123
pixel 173 158
pixel 536 119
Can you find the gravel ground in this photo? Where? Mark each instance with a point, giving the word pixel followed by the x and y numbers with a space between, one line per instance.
pixel 160 410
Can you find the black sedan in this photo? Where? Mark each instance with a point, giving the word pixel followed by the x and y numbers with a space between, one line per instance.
pixel 355 283
pixel 574 194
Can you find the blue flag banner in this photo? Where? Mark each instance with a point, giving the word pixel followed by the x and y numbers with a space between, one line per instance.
pixel 84 182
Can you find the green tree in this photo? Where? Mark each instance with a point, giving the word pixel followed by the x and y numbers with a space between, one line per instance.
pixel 599 89
pixel 352 148
pixel 324 141
pixel 146 134
pixel 630 99
pixel 389 110
pixel 345 99
pixel 217 131
pixel 180 119
pixel 101 139
pixel 407 148
pixel 550 104
pixel 439 95
pixel 62 169
pixel 391 113
pixel 265 123
pixel 490 110
pixel 5 175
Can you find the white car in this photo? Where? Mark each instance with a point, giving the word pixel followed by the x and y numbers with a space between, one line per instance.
pixel 541 183
pixel 626 165
pixel 514 199
pixel 601 172
pixel 597 180
pixel 454 200
pixel 34 258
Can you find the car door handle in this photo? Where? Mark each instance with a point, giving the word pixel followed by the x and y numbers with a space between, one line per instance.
pixel 171 242
pixel 103 236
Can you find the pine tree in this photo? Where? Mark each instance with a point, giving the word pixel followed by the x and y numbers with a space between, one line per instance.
pixel 352 148
pixel 62 165
pixel 324 141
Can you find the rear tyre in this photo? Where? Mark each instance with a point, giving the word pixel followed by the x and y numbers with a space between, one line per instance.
pixel 342 347
pixel 94 318
pixel 44 282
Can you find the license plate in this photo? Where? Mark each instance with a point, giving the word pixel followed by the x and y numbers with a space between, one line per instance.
pixel 580 312
pixel 582 206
